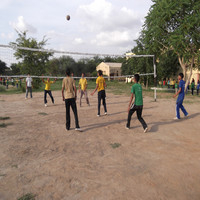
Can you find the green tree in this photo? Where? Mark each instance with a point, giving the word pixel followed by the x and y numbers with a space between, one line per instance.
pixel 33 62
pixel 15 69
pixel 3 67
pixel 174 25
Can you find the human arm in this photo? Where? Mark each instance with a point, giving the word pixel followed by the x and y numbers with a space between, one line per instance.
pixel 75 91
pixel 177 93
pixel 55 80
pixel 130 102
pixel 97 85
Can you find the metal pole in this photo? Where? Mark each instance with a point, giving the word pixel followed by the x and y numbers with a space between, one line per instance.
pixel 155 75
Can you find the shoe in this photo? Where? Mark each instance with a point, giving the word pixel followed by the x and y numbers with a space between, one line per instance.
pixel 176 118
pixel 146 129
pixel 25 97
pixel 45 105
pixel 186 115
pixel 127 127
pixel 68 129
pixel 78 129
pixel 105 113
pixel 98 115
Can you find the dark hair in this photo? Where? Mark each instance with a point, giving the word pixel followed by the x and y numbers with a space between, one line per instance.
pixel 83 73
pixel 137 77
pixel 181 75
pixel 100 73
pixel 68 72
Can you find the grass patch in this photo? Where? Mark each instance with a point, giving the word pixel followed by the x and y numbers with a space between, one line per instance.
pixel 115 145
pixel 14 166
pixel 4 118
pixel 1 175
pixel 3 125
pixel 28 196
pixel 42 113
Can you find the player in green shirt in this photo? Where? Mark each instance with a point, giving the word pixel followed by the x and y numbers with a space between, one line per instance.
pixel 137 105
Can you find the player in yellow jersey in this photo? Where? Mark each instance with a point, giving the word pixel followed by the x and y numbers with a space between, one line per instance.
pixel 83 88
pixel 100 86
pixel 47 90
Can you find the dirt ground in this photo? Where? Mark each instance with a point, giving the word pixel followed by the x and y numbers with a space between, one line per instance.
pixel 38 155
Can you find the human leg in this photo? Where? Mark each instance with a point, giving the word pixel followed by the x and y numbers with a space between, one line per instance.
pixel 50 94
pixel 45 96
pixel 139 116
pixel 99 102
pixel 74 108
pixel 67 105
pixel 104 100
pixel 130 113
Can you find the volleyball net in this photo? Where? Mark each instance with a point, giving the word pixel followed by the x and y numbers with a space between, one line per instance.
pixel 58 61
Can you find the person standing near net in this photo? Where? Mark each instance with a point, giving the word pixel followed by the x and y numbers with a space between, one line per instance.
pixel 137 105
pixel 47 90
pixel 28 86
pixel 181 95
pixel 83 88
pixel 100 86
pixel 69 88
pixel 193 86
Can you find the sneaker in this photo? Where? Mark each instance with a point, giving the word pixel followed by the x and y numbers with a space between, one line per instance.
pixel 127 127
pixel 176 118
pixel 98 115
pixel 146 129
pixel 25 97
pixel 105 113
pixel 78 129
pixel 45 105
pixel 67 129
pixel 186 115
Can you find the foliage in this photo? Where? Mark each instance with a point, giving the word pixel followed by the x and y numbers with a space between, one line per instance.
pixel 174 25
pixel 57 66
pixel 15 69
pixel 3 67
pixel 28 196
pixel 33 62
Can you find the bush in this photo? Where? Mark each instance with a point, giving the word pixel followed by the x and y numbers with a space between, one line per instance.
pixel 23 88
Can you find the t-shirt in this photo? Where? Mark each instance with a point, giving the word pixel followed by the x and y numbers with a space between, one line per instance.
pixel 48 85
pixel 69 84
pixel 198 86
pixel 176 85
pixel 192 85
pixel 101 82
pixel 137 90
pixel 83 83
pixel 29 81
pixel 182 93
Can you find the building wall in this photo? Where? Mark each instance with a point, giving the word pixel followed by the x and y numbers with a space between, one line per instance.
pixel 109 70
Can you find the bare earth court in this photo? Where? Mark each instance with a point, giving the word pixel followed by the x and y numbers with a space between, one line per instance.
pixel 38 155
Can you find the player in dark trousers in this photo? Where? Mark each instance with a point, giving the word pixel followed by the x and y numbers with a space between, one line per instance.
pixel 137 105
pixel 69 95
pixel 100 86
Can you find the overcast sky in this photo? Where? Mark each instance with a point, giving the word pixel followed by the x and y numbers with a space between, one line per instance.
pixel 96 26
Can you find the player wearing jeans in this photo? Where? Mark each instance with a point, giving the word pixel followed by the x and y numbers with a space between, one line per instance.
pixel 47 90
pixel 137 105
pixel 181 95
pixel 100 86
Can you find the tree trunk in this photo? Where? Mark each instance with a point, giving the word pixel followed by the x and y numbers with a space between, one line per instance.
pixel 190 74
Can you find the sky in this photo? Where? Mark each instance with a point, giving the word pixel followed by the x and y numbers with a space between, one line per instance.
pixel 96 26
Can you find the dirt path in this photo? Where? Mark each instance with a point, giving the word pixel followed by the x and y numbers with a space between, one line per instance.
pixel 38 155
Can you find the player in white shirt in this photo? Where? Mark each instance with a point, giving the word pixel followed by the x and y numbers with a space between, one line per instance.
pixel 28 86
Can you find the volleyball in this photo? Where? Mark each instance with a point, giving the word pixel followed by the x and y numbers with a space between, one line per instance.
pixel 68 17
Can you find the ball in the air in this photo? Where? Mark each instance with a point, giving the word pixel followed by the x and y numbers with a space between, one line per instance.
pixel 68 17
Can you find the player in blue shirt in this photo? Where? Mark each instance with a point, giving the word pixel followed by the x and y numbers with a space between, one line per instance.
pixel 181 95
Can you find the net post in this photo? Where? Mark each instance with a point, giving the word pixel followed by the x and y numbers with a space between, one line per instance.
pixel 155 81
